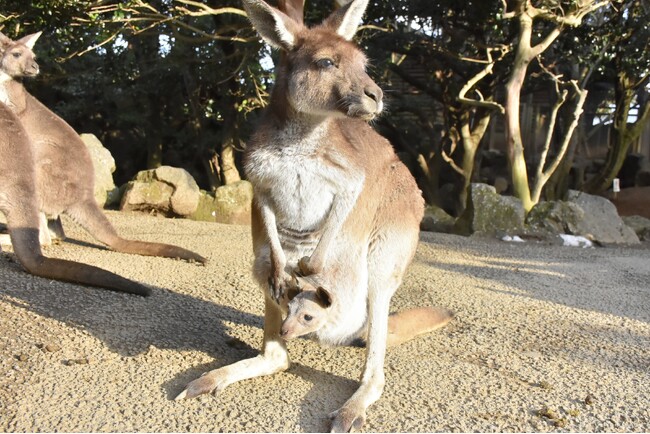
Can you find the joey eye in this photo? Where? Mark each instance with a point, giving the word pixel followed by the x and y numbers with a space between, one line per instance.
pixel 16 55
pixel 325 63
pixel 308 318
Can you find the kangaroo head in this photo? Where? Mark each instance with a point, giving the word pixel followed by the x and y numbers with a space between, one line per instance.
pixel 17 58
pixel 324 73
pixel 308 309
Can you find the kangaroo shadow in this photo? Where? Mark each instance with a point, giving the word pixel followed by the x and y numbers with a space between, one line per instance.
pixel 128 325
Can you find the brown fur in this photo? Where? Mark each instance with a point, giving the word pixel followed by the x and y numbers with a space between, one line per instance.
pixel 18 199
pixel 330 195
pixel 64 173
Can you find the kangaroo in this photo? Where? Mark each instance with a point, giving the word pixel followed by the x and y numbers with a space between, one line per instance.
pixel 64 173
pixel 332 317
pixel 323 178
pixel 18 202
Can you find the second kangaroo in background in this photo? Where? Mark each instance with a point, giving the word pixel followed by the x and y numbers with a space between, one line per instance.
pixel 19 204
pixel 64 173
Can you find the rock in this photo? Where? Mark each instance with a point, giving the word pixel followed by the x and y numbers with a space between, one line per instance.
pixel 436 220
pixel 601 220
pixel 168 190
pixel 230 204
pixel 104 165
pixel 554 218
pixel 489 213
pixel 640 226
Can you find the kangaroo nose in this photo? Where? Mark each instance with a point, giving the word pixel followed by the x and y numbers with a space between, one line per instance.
pixel 374 93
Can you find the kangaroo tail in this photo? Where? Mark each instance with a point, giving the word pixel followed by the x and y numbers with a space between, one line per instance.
pixel 407 324
pixel 28 250
pixel 91 217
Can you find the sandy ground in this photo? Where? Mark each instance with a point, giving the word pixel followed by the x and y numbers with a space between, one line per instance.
pixel 538 327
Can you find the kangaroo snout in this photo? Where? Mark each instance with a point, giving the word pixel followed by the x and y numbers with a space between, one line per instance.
pixel 373 100
pixel 32 70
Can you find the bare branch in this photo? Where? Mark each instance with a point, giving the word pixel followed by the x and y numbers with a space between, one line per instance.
pixel 542 176
pixel 478 77
pixel 452 163
pixel 206 10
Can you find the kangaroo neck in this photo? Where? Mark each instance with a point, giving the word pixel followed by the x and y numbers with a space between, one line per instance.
pixel 12 93
pixel 287 120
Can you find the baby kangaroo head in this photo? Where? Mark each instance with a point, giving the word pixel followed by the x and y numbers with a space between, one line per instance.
pixel 17 58
pixel 308 309
pixel 324 74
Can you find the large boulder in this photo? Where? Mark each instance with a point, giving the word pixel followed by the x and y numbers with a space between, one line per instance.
pixel 168 190
pixel 229 204
pixel 436 220
pixel 640 226
pixel 554 218
pixel 104 165
pixel 489 213
pixel 601 220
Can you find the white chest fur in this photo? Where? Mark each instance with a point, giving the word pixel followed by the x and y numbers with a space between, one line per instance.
pixel 4 96
pixel 299 183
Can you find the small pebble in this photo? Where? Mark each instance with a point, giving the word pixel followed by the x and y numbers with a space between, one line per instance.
pixel 51 348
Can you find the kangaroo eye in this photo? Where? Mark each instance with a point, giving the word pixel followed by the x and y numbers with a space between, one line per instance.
pixel 16 55
pixel 308 318
pixel 325 63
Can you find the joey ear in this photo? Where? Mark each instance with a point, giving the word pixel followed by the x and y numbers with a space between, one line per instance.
pixel 29 40
pixel 323 297
pixel 293 292
pixel 345 20
pixel 273 25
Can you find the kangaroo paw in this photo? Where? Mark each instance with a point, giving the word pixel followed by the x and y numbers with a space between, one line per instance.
pixel 279 285
pixel 308 266
pixel 211 382
pixel 347 419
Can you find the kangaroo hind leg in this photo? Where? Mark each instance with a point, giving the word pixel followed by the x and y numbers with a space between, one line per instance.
pixel 274 358
pixel 388 256
pixel 90 216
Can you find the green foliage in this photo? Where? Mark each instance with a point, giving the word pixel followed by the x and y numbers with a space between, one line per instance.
pixel 163 80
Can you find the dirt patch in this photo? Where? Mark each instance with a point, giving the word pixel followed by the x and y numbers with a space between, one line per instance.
pixel 545 338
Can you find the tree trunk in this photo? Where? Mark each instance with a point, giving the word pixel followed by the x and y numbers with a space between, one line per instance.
pixel 471 140
pixel 515 145
pixel 622 136
pixel 154 155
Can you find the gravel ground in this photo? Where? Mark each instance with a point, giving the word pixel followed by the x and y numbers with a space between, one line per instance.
pixel 546 338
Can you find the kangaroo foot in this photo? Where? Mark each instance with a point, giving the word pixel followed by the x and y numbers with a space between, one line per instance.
pixel 210 382
pixel 347 419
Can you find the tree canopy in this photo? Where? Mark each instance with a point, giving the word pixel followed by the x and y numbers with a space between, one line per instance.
pixel 181 82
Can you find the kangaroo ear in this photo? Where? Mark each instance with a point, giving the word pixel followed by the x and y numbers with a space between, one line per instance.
pixel 345 20
pixel 4 41
pixel 29 40
pixel 293 292
pixel 274 26
pixel 323 297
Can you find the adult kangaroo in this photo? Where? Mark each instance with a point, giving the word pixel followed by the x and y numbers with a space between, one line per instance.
pixel 323 180
pixel 18 202
pixel 64 173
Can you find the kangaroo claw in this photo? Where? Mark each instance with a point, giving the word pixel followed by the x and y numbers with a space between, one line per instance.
pixel 347 419
pixel 207 383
